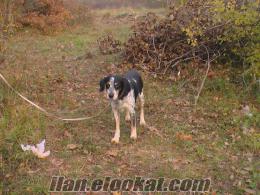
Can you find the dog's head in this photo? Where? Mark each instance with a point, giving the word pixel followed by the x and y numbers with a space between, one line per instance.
pixel 115 87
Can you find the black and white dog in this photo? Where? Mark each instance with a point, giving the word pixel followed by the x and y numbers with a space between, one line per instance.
pixel 122 91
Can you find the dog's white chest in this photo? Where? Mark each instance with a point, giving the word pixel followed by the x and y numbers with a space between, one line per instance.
pixel 128 103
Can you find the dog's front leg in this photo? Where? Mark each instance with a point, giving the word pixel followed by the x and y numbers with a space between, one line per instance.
pixel 127 115
pixel 133 126
pixel 117 132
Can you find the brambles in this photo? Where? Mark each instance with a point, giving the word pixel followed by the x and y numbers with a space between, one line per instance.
pixel 108 44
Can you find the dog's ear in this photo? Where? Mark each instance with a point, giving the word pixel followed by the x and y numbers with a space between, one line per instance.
pixel 103 83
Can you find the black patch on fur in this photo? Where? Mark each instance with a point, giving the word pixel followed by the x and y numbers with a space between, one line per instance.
pixel 103 83
pixel 135 81
pixel 124 87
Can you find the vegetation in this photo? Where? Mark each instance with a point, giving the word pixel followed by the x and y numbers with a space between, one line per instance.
pixel 59 69
pixel 44 14
pixel 227 31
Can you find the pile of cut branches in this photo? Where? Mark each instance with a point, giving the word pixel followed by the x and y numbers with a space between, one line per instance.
pixel 108 44
pixel 160 45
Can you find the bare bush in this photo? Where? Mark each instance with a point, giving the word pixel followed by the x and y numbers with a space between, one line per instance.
pixel 45 15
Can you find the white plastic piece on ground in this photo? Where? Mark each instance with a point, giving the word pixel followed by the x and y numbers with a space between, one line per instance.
pixel 26 148
pixel 38 150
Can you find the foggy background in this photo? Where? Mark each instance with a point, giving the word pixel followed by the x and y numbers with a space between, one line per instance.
pixel 124 3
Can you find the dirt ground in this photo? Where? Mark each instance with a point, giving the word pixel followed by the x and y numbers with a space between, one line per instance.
pixel 61 73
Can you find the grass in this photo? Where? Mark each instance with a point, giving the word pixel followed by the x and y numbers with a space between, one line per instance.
pixel 36 68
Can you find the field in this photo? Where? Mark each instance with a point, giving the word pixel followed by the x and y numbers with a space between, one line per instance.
pixel 61 73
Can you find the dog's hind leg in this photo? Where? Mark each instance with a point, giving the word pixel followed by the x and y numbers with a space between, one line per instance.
pixel 142 121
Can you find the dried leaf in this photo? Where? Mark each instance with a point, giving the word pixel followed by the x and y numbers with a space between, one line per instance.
pixel 72 146
pixel 113 153
pixel 183 137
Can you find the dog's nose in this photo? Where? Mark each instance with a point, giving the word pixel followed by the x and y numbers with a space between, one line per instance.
pixel 111 95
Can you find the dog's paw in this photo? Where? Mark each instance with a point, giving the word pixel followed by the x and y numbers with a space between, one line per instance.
pixel 143 123
pixel 115 140
pixel 133 136
pixel 127 119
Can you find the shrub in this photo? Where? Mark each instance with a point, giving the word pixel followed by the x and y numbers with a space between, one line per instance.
pixel 241 38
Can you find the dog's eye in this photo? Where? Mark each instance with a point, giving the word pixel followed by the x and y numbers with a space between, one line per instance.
pixel 107 85
pixel 116 86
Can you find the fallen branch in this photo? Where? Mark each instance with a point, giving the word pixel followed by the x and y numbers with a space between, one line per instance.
pixel 204 79
pixel 154 130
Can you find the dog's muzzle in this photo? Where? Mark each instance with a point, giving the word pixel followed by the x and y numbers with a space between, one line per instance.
pixel 111 95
